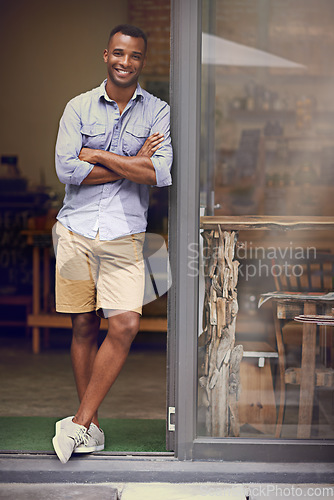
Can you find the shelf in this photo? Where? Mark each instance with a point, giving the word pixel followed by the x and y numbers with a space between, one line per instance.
pixel 273 114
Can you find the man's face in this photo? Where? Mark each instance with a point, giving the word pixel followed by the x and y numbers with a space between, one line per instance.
pixel 125 59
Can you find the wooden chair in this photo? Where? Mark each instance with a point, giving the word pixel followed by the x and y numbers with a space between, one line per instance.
pixel 303 286
pixel 257 406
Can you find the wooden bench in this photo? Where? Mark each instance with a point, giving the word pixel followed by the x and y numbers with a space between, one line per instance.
pixel 59 320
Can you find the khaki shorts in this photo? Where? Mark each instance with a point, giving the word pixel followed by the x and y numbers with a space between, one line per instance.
pixel 98 275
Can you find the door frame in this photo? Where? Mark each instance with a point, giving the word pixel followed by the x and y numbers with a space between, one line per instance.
pixel 183 210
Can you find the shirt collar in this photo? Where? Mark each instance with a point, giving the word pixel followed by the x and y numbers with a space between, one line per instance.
pixel 138 93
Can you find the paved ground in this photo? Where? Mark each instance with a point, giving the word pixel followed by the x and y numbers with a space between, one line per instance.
pixel 214 491
pixel 57 492
pixel 43 477
pixel 164 491
pixel 122 468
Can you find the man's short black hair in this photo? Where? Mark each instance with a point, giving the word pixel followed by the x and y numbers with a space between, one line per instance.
pixel 129 30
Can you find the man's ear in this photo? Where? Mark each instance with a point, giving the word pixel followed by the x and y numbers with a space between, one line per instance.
pixel 144 62
pixel 105 55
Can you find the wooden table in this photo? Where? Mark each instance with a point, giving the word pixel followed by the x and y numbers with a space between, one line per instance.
pixel 222 359
pixel 266 222
pixel 286 307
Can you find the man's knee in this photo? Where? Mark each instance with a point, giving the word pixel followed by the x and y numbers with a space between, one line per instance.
pixel 85 326
pixel 123 328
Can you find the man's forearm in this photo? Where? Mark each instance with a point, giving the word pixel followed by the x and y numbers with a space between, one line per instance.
pixel 135 168
pixel 100 175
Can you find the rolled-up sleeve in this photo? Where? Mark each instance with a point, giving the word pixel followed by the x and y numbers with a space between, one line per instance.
pixel 69 168
pixel 163 158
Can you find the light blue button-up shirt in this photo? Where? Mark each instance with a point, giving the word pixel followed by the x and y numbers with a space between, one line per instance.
pixel 93 120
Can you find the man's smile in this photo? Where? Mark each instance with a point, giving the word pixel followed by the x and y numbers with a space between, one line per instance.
pixel 123 71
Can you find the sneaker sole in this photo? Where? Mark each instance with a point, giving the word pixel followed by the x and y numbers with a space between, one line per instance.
pixel 89 449
pixel 56 446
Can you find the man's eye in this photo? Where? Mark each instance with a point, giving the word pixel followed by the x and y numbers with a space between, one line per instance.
pixel 117 53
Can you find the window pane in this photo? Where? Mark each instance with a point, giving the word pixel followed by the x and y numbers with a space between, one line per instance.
pixel 267 124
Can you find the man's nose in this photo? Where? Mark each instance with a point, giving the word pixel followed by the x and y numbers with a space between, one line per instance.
pixel 125 60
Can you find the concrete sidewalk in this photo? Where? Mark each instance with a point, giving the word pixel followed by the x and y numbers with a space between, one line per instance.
pixel 197 491
pixel 55 491
pixel 219 491
pixel 163 491
pixel 122 469
pixel 131 477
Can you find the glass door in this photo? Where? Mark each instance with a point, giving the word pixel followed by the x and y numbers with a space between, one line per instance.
pixel 266 149
pixel 252 125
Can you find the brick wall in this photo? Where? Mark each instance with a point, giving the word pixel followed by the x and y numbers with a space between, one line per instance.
pixel 153 17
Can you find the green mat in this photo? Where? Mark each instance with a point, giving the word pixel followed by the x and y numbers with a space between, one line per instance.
pixel 35 434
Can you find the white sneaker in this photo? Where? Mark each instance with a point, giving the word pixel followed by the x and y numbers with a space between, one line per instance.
pixel 94 440
pixel 68 436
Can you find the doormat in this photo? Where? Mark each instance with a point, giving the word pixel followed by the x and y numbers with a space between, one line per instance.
pixel 36 433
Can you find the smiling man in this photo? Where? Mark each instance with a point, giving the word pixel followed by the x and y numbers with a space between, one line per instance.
pixel 113 143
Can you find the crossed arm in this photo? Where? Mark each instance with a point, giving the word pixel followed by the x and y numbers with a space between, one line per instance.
pixel 112 167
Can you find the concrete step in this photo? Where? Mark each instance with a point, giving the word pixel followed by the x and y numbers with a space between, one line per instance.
pixel 58 491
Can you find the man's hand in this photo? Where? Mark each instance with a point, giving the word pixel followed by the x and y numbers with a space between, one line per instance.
pixel 151 145
pixel 99 174
pixel 89 155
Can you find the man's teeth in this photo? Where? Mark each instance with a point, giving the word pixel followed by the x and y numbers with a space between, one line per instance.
pixel 123 72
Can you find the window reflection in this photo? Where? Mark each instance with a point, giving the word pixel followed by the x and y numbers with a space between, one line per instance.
pixel 267 64
pixel 267 124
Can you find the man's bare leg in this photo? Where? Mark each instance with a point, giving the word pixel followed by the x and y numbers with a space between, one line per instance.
pixel 108 363
pixel 84 348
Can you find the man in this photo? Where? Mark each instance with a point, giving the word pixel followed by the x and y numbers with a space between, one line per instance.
pixel 113 143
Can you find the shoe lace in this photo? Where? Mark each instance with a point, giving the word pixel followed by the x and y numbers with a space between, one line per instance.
pixel 85 438
pixel 80 436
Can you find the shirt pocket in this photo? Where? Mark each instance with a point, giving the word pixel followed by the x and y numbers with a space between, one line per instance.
pixel 93 136
pixel 134 138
